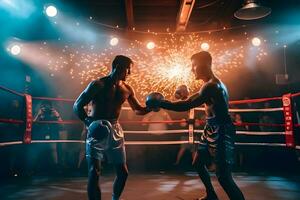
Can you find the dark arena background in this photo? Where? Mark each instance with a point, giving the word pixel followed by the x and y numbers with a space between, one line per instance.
pixel 52 49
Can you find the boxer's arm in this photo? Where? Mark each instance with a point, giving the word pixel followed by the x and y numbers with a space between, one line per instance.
pixel 195 100
pixel 135 104
pixel 38 115
pixel 84 98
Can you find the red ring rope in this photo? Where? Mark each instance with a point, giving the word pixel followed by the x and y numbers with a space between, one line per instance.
pixel 201 122
pixel 53 99
pixel 254 100
pixel 296 94
pixel 12 121
pixel 258 124
pixel 11 91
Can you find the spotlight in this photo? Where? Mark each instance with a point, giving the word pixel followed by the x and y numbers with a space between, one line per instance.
pixel 256 41
pixel 114 41
pixel 15 49
pixel 205 46
pixel 150 45
pixel 51 11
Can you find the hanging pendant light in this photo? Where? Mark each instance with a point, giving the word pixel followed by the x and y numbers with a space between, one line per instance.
pixel 252 10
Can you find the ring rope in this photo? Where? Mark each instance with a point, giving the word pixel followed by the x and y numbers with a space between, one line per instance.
pixel 154 122
pixel 11 121
pixel 59 122
pixel 122 122
pixel 261 144
pixel 156 132
pixel 140 143
pixel 296 94
pixel 53 99
pixel 2 144
pixel 83 141
pixel 155 142
pixel 57 141
pixel 189 121
pixel 167 121
pixel 253 144
pixel 250 110
pixel 259 133
pixel 258 124
pixel 259 100
pixel 251 133
pixel 11 91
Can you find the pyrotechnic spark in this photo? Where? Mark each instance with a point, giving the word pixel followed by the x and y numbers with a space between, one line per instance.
pixel 162 69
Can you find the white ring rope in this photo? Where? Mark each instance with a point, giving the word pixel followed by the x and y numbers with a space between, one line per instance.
pixel 160 142
pixel 259 133
pixel 250 109
pixel 253 144
pixel 297 147
pixel 261 144
pixel 57 141
pixel 2 144
pixel 236 109
pixel 141 143
pixel 250 132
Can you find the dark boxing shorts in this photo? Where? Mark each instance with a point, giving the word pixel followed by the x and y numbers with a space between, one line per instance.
pixel 217 142
pixel 113 145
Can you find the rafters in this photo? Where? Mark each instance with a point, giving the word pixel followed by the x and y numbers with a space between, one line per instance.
pixel 129 14
pixel 184 14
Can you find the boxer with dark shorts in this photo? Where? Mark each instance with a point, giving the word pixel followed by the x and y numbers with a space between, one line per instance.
pixel 105 135
pixel 217 141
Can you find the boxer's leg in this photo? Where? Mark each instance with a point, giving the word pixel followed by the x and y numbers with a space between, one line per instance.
pixel 226 181
pixel 120 180
pixel 199 164
pixel 93 186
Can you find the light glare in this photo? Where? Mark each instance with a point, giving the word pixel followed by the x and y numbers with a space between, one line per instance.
pixel 150 45
pixel 205 46
pixel 51 11
pixel 15 50
pixel 114 41
pixel 256 41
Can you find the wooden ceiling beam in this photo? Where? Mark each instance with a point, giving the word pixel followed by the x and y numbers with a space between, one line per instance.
pixel 184 14
pixel 129 14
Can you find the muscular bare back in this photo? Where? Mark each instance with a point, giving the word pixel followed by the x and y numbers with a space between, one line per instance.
pixel 213 94
pixel 107 97
pixel 107 102
pixel 216 99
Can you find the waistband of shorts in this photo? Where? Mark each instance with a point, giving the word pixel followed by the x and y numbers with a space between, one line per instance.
pixel 112 121
pixel 218 121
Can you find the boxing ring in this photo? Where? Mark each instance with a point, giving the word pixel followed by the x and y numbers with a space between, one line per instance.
pixel 289 125
pixel 167 185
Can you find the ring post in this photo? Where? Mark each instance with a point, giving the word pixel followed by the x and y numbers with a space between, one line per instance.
pixel 191 125
pixel 28 119
pixel 288 118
